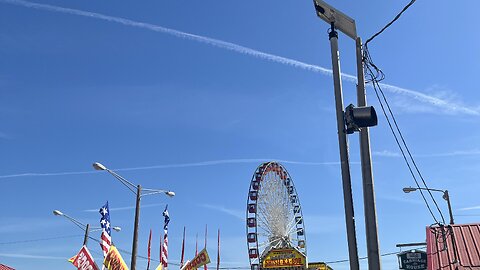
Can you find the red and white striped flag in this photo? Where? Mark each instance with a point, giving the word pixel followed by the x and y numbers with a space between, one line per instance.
pixel 164 253
pixel 105 238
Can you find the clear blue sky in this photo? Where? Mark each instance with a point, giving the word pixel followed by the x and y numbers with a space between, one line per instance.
pixel 75 89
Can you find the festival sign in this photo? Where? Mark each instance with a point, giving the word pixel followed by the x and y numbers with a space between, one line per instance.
pixel 318 266
pixel 277 258
pixel 113 260
pixel 84 260
pixel 413 260
pixel 200 260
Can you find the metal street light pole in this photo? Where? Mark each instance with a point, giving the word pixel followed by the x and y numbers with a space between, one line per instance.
pixel 356 119
pixel 373 249
pixel 135 229
pixel 138 192
pixel 445 196
pixel 85 227
pixel 343 145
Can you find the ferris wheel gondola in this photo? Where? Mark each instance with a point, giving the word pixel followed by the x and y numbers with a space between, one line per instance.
pixel 274 215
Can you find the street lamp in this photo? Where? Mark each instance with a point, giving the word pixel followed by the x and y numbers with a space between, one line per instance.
pixel 445 196
pixel 137 190
pixel 84 227
pixel 349 121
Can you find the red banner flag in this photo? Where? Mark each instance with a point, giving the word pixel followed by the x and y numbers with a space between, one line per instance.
pixel 149 245
pixel 84 260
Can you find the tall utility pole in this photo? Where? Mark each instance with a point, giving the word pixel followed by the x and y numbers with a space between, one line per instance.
pixel 343 144
pixel 137 189
pixel 373 250
pixel 133 262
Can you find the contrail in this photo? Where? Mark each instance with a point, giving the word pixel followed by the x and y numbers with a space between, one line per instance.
pixel 434 101
pixel 179 165
pixel 29 256
pixel 386 153
pixel 127 207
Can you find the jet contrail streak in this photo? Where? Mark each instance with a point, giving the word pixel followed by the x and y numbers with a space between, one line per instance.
pixel 443 104
pixel 127 207
pixel 180 165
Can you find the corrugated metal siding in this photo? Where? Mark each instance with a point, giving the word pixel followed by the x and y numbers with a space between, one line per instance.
pixel 4 267
pixel 453 247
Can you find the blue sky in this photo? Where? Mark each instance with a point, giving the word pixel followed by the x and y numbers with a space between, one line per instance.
pixel 193 96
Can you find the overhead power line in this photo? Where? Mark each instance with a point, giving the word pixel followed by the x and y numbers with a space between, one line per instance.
pixel 375 75
pixel 391 22
pixel 39 239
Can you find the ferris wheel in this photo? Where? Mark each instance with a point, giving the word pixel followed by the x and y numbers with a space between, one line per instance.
pixel 274 215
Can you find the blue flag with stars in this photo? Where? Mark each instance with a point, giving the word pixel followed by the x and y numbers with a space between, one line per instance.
pixel 105 238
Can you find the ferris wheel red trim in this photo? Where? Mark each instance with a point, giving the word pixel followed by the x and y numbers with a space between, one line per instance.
pixel 251 213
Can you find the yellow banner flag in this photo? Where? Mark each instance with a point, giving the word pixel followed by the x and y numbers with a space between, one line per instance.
pixel 114 261
pixel 200 260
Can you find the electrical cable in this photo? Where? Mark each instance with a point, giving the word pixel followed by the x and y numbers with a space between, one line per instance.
pixel 409 153
pixel 382 255
pixel 39 239
pixel 390 23
pixel 375 76
pixel 376 85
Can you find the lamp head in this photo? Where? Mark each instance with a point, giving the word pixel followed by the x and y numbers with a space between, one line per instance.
pixel 409 189
pixel 98 166
pixel 57 213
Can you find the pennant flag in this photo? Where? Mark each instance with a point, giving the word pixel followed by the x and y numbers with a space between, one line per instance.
pixel 113 260
pixel 149 245
pixel 159 267
pixel 84 260
pixel 105 238
pixel 72 259
pixel 218 250
pixel 196 244
pixel 205 266
pixel 183 249
pixel 164 254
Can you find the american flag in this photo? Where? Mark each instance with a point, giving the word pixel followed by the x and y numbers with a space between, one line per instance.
pixel 105 238
pixel 164 257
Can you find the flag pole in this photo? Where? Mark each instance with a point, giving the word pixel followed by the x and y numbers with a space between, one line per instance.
pixel 205 266
pixel 196 245
pixel 218 250
pixel 183 249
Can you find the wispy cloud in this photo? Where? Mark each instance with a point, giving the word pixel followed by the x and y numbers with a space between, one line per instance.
pixel 127 207
pixel 386 153
pixel 470 208
pixel 4 135
pixel 23 225
pixel 29 256
pixel 444 105
pixel 232 212
pixel 45 174
pixel 178 165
